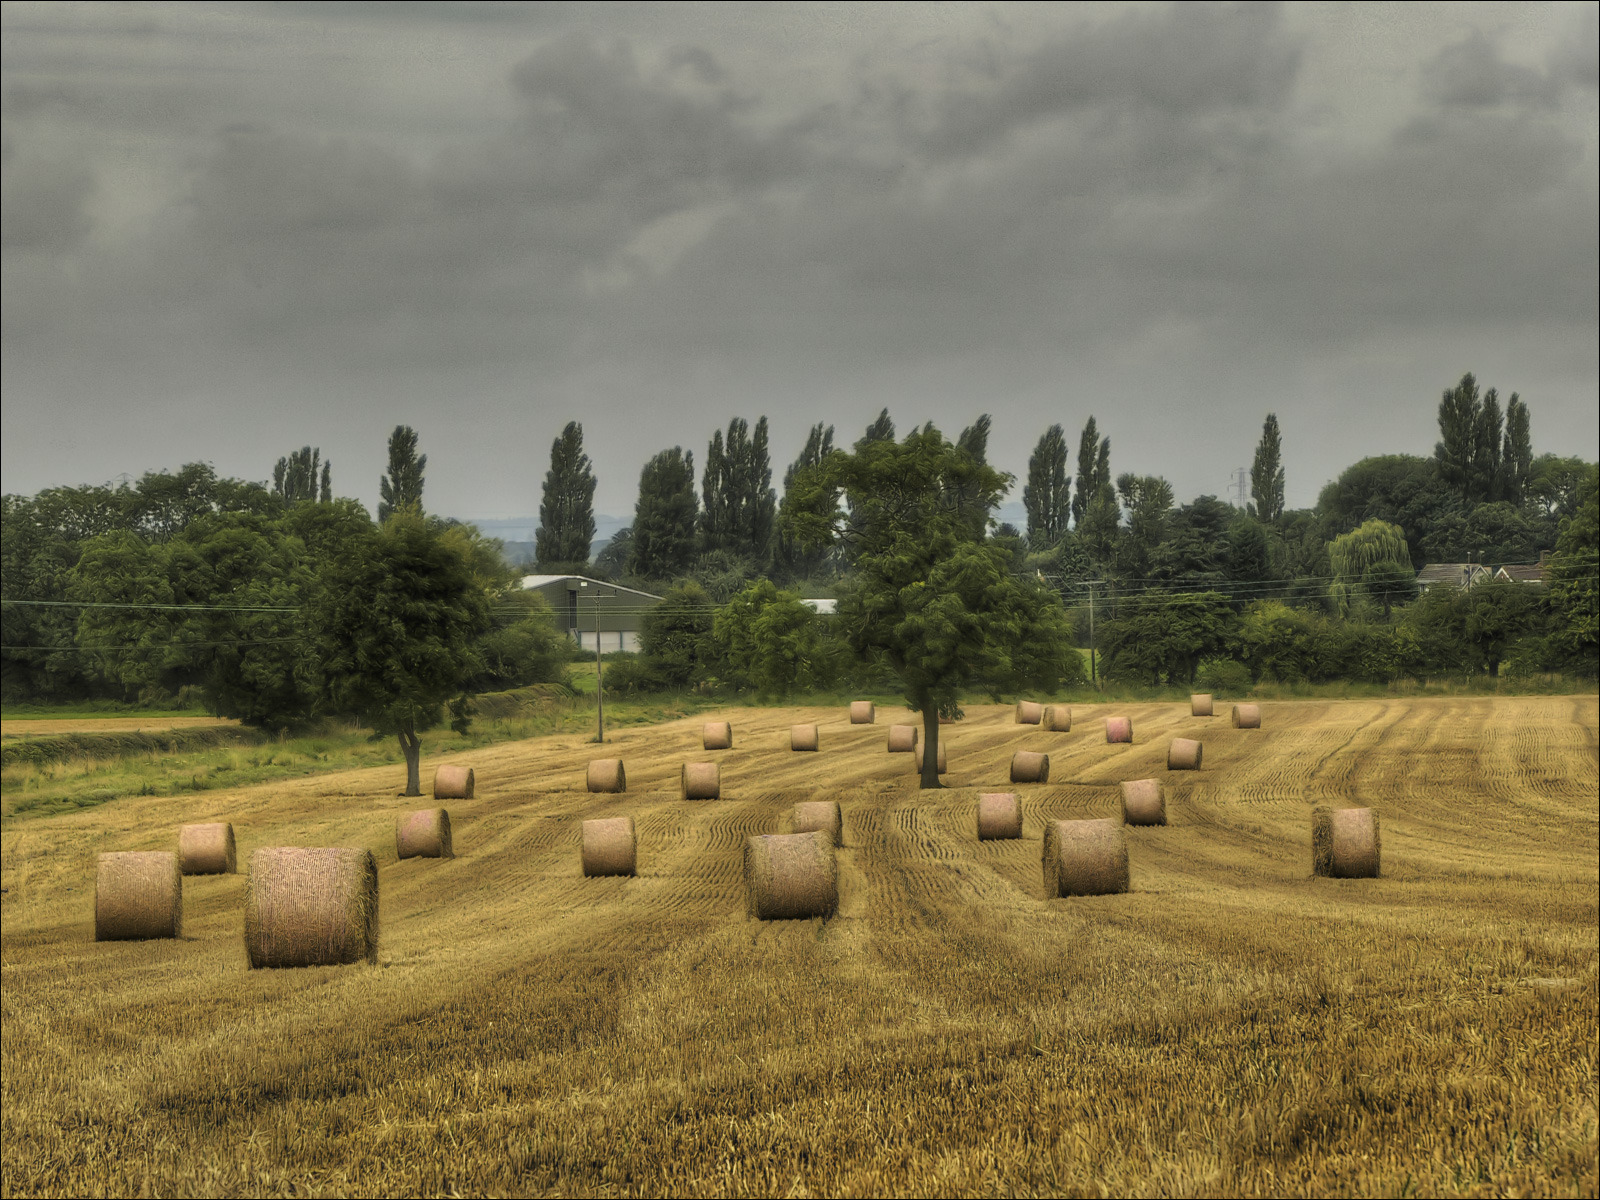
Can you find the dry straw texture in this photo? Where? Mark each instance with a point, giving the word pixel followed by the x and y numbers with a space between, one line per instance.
pixel 610 847
pixel 902 739
pixel 1085 858
pixel 1057 718
pixel 207 849
pixel 791 875
pixel 607 775
pixel 718 735
pixel 1029 712
pixel 862 712
pixel 138 894
pixel 802 737
pixel 818 816
pixel 451 782
pixel 1345 843
pixel 423 834
pixel 999 816
pixel 1030 766
pixel 1200 704
pixel 944 761
pixel 1143 802
pixel 1247 716
pixel 311 907
pixel 1119 729
pixel 1183 754
pixel 700 781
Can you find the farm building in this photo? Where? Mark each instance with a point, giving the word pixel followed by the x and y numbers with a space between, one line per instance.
pixel 582 604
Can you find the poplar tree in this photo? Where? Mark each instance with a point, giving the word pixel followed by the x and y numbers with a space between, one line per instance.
pixel 566 514
pixel 792 560
pixel 1088 478
pixel 402 487
pixel 664 517
pixel 1266 475
pixel 1516 459
pixel 296 476
pixel 1047 493
pixel 740 503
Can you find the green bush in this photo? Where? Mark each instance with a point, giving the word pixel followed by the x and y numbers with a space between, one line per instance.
pixel 1223 675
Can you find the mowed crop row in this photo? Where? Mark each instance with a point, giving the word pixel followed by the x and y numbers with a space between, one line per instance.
pixel 1231 1025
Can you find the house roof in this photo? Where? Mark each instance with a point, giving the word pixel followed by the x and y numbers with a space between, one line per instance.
pixel 1455 574
pixel 1521 573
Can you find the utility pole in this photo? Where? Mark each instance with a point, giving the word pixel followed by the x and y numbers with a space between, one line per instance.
pixel 1094 673
pixel 1241 486
pixel 599 680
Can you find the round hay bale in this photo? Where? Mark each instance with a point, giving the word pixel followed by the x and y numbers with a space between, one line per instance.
pixel 138 894
pixel 1200 704
pixel 943 765
pixel 1183 754
pixel 902 739
pixel 862 712
pixel 1247 716
pixel 1029 766
pixel 311 907
pixel 207 849
pixel 1345 843
pixel 999 816
pixel 607 775
pixel 701 781
pixel 1085 858
pixel 1029 712
pixel 1057 718
pixel 1143 802
pixel 451 782
pixel 1119 729
pixel 423 834
pixel 802 737
pixel 718 736
pixel 610 847
pixel 819 816
pixel 789 876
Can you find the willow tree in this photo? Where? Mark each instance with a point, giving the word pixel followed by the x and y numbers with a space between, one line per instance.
pixel 1373 556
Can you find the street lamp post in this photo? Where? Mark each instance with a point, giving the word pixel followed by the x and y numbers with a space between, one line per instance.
pixel 599 679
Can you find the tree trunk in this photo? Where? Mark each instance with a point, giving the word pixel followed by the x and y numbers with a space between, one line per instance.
pixel 411 744
pixel 930 744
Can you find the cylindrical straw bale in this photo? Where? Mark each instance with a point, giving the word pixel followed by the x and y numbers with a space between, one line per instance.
pixel 1029 712
pixel 311 907
pixel 1143 802
pixel 1200 704
pixel 1029 766
pixel 1119 729
pixel 944 763
pixel 1057 718
pixel 819 816
pixel 610 847
pixel 138 894
pixel 791 875
pixel 1247 716
pixel 718 735
pixel 423 834
pixel 1345 843
pixel 862 712
pixel 802 737
pixel 207 849
pixel 1085 858
pixel 701 781
pixel 451 782
pixel 1183 754
pixel 902 739
pixel 999 816
pixel 607 775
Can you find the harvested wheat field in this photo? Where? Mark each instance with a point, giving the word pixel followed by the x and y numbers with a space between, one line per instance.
pixel 1231 1025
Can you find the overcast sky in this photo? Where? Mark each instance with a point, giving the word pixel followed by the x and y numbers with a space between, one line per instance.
pixel 234 229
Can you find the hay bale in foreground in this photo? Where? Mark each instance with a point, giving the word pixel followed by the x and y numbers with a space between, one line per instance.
pixel 1085 858
pixel 943 764
pixel 701 781
pixel 802 737
pixel 1247 716
pixel 423 834
pixel 610 846
pixel 1119 729
pixel 1057 718
pixel 862 712
pixel 1345 843
pixel 1029 712
pixel 1200 704
pixel 138 894
pixel 818 816
pixel 607 775
pixel 718 735
pixel 311 907
pixel 999 816
pixel 1143 802
pixel 207 849
pixel 789 876
pixel 902 739
pixel 1183 754
pixel 1030 766
pixel 451 782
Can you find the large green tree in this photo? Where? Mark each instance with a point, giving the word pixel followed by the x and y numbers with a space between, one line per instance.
pixel 1089 481
pixel 739 503
pixel 1361 560
pixel 402 487
pixel 566 511
pixel 1266 474
pixel 1047 494
pixel 664 517
pixel 302 475
pixel 1573 601
pixel 789 559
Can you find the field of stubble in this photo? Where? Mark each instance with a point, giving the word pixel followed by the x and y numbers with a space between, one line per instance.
pixel 1230 1026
